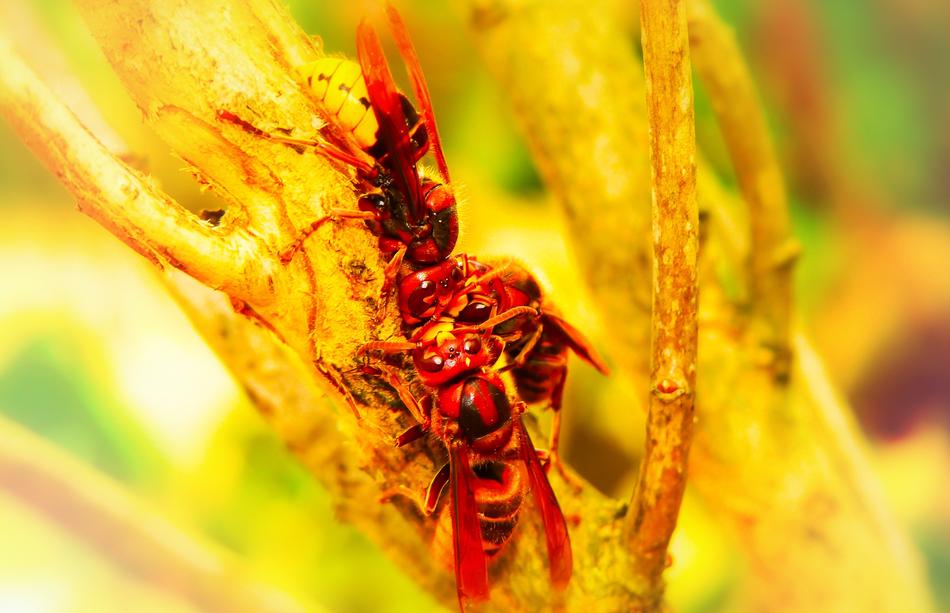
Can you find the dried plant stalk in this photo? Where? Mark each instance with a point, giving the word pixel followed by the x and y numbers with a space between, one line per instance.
pixel 669 93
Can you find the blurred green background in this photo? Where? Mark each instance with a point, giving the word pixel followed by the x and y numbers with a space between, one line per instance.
pixel 97 359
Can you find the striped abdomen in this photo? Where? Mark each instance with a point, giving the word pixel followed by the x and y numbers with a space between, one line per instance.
pixel 499 493
pixel 499 488
pixel 338 84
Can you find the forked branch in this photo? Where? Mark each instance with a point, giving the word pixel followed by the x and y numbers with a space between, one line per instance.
pixel 119 197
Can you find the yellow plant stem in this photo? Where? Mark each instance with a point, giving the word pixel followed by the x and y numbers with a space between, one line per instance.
pixel 663 471
pixel 722 69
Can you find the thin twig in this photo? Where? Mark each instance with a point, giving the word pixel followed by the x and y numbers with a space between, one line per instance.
pixel 655 505
pixel 116 195
pixel 97 511
pixel 725 76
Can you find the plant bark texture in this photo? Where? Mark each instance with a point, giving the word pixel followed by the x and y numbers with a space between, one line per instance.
pixel 655 506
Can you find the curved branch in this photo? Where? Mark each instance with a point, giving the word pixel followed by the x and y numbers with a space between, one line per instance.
pixel 724 74
pixel 116 195
pixel 659 491
pixel 243 58
pixel 98 512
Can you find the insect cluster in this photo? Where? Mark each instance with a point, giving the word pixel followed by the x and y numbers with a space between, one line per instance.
pixel 466 323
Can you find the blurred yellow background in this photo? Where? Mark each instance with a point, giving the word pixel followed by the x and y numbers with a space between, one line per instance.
pixel 96 359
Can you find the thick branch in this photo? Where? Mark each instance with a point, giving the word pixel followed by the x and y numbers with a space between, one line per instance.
pixel 98 512
pixel 182 68
pixel 277 382
pixel 118 196
pixel 669 94
pixel 724 74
